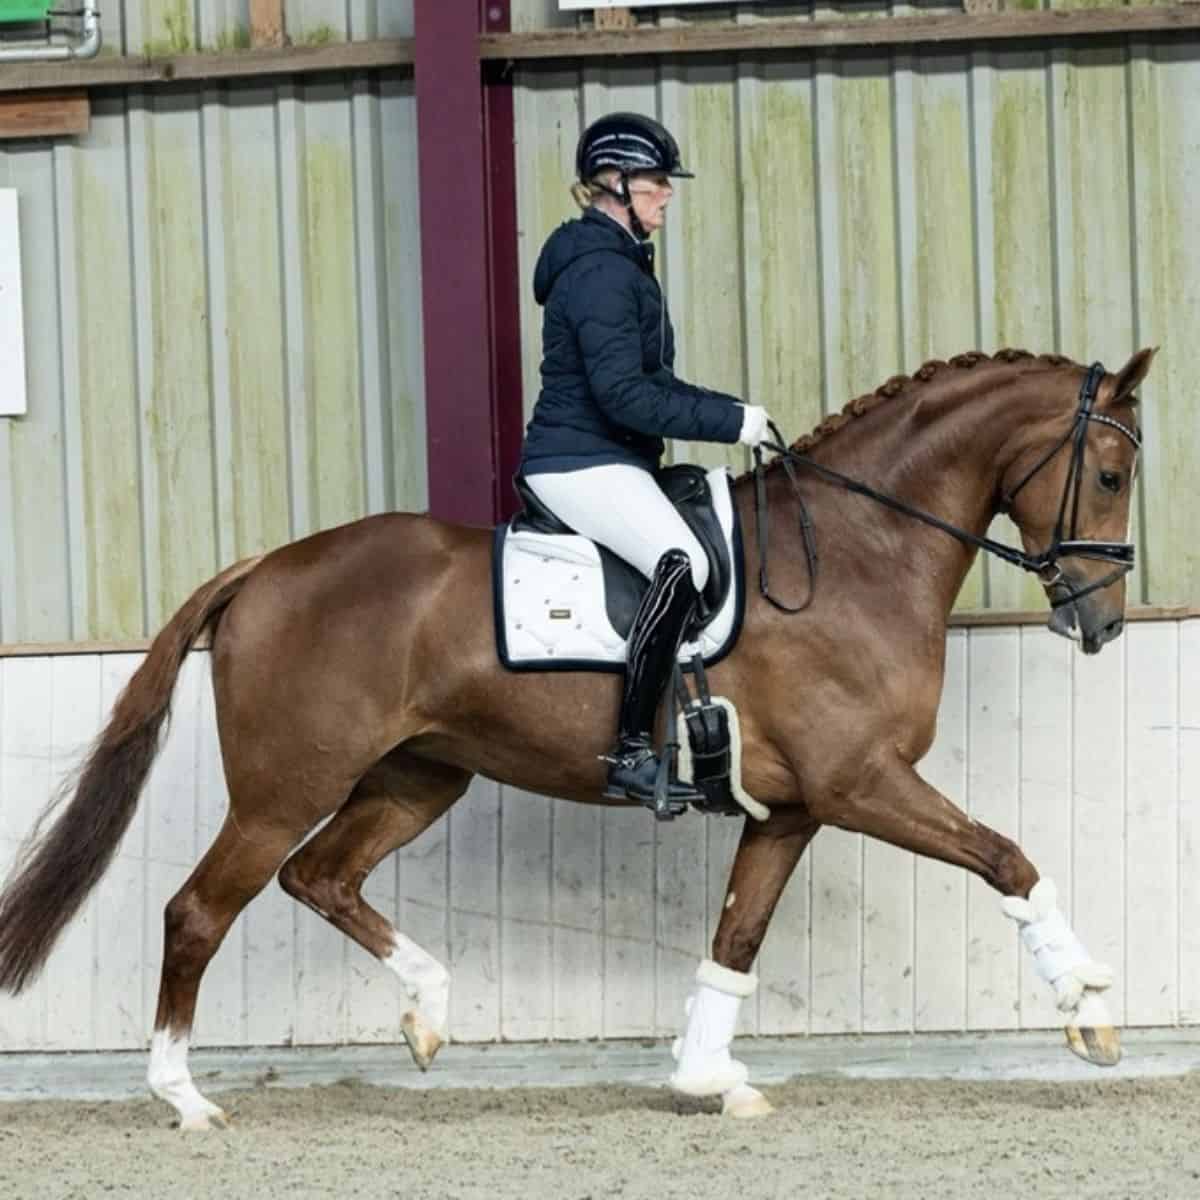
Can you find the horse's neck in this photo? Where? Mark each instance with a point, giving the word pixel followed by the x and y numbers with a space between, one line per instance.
pixel 942 454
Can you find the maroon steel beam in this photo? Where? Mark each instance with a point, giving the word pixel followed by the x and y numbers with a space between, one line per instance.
pixel 454 289
pixel 468 262
pixel 508 419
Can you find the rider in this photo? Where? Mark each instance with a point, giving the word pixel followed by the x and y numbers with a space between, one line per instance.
pixel 608 398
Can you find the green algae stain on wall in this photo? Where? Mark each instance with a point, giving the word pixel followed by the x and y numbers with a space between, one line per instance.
pixel 708 318
pixel 168 25
pixel 782 282
pixel 180 434
pixel 867 335
pixel 940 320
pixel 255 336
pixel 1165 99
pixel 108 411
pixel 1022 254
pixel 1022 216
pixel 943 322
pixel 331 325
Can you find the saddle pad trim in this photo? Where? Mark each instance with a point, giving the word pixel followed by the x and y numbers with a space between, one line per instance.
pixel 738 584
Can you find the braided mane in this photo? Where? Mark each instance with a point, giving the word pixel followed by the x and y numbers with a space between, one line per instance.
pixel 900 384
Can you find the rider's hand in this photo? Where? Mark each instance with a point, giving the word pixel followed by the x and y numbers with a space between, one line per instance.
pixel 754 426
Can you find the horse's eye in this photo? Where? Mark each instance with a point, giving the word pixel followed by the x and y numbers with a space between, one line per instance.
pixel 1110 481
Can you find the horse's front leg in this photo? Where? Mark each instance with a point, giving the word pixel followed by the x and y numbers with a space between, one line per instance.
pixel 890 801
pixel 766 857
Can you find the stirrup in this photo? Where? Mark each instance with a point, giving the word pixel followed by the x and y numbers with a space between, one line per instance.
pixel 657 788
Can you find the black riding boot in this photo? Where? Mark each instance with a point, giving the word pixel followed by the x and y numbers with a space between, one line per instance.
pixel 658 628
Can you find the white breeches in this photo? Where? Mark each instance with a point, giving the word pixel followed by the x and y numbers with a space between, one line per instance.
pixel 623 509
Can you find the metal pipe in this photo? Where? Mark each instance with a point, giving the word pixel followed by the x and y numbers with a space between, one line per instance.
pixel 88 45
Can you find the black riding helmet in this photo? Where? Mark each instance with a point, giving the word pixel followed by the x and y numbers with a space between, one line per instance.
pixel 632 144
pixel 629 142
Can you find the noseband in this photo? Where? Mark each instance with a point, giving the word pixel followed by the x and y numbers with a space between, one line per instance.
pixel 1068 546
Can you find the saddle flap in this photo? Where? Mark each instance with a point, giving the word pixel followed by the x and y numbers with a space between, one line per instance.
pixel 563 602
pixel 691 491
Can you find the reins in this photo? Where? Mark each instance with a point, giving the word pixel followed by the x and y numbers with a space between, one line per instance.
pixel 1120 553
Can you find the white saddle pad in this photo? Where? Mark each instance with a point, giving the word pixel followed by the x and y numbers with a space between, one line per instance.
pixel 550 610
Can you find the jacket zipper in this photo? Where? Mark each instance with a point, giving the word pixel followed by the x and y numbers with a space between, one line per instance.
pixel 662 327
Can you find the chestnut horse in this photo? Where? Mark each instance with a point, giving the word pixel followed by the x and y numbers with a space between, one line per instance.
pixel 356 678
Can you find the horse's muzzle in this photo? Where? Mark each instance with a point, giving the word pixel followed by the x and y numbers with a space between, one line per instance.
pixel 1065 621
pixel 1092 642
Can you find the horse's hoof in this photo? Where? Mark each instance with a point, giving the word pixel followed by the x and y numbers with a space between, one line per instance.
pixel 1097 1044
pixel 744 1101
pixel 422 1041
pixel 202 1122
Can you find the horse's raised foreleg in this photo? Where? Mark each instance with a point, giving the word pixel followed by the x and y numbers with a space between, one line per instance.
pixel 236 868
pixel 396 800
pixel 766 856
pixel 893 803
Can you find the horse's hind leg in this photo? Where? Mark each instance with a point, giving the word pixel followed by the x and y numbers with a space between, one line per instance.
pixel 396 800
pixel 237 866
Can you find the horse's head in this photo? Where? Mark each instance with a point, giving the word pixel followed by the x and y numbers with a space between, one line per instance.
pixel 1069 490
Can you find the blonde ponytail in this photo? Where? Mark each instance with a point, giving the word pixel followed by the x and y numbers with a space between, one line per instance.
pixel 584 194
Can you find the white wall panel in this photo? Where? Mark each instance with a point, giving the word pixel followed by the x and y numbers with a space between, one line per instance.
pixel 570 922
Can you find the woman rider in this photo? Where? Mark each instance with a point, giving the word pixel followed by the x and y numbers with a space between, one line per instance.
pixel 608 398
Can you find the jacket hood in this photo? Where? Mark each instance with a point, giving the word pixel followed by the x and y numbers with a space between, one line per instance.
pixel 592 233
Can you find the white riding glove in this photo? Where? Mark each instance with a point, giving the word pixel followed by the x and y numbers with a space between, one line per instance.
pixel 754 426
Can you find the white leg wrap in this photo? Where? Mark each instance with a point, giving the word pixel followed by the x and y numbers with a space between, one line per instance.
pixel 170 1080
pixel 425 980
pixel 703 1064
pixel 1058 955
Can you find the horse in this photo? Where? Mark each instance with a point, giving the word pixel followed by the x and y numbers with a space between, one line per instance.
pixel 356 682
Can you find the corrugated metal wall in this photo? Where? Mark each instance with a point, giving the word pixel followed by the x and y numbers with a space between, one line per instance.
pixel 858 214
pixel 191 26
pixel 223 284
pixel 223 317
pixel 564 921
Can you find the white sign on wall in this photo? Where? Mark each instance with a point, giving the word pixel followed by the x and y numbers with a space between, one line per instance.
pixel 12 318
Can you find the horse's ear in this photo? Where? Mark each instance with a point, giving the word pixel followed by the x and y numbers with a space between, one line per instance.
pixel 1132 374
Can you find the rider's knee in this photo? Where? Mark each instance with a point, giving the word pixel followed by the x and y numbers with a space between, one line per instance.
pixel 677 556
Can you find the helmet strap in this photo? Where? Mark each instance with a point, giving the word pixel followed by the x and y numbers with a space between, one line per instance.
pixel 626 198
pixel 639 230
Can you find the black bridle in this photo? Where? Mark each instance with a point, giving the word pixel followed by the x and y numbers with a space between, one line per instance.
pixel 1064 542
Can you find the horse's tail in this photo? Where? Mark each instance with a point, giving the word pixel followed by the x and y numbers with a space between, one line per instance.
pixel 59 866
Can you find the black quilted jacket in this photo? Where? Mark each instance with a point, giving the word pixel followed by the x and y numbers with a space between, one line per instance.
pixel 609 394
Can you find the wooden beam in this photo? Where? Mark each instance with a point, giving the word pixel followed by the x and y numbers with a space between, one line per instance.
pixel 206 68
pixel 985 618
pixel 939 28
pixel 980 619
pixel 44 114
pixel 266 23
pixel 718 37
